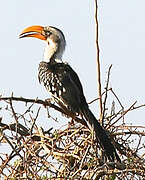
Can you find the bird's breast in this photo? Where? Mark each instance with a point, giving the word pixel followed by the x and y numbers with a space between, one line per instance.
pixel 51 78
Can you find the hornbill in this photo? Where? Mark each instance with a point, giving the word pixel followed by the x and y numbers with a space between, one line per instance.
pixel 63 83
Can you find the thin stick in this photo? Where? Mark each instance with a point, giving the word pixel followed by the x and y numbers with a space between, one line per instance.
pixel 106 93
pixel 98 62
pixel 117 98
pixel 123 114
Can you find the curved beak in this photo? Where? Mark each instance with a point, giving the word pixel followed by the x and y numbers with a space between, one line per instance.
pixel 33 31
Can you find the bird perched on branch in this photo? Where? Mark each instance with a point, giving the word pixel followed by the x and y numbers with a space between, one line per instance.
pixel 63 83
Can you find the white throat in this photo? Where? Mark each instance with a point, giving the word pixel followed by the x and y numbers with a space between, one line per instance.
pixel 51 49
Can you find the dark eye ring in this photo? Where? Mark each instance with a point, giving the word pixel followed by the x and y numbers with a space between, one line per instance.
pixel 49 33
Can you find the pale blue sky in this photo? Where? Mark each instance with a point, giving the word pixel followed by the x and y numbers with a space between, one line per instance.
pixel 122 43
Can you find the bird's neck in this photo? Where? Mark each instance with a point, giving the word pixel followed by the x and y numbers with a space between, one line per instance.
pixel 53 51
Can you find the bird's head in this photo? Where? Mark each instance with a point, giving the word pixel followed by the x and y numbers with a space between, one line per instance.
pixel 51 35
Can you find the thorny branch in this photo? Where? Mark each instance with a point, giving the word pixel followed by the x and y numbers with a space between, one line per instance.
pixel 45 103
pixel 106 93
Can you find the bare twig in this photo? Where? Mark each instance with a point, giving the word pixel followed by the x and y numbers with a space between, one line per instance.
pixel 105 99
pixel 98 61
pixel 123 114
pixel 117 98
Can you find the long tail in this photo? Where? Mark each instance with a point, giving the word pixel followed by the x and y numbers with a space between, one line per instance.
pixel 101 135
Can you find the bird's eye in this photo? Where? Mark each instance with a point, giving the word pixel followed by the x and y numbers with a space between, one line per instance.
pixel 48 33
